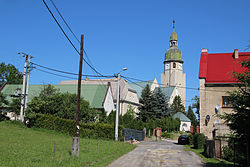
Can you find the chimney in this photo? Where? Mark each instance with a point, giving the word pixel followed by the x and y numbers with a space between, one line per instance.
pixel 236 53
pixel 204 50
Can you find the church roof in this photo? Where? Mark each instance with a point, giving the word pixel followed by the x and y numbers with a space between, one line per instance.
pixel 173 53
pixel 167 91
pixel 182 117
pixel 219 67
pixel 139 86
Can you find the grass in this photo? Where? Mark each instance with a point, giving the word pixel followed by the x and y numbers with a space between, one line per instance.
pixel 211 162
pixel 21 146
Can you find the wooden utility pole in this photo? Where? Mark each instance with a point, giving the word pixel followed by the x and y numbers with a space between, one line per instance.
pixel 76 139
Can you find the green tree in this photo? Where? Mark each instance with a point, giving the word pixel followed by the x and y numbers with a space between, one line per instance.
pixel 9 74
pixel 147 107
pixel 177 105
pixel 3 100
pixel 161 104
pixel 62 105
pixel 239 120
pixel 15 106
pixel 191 116
pixel 196 105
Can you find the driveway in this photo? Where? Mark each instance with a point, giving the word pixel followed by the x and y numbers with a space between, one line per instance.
pixel 164 153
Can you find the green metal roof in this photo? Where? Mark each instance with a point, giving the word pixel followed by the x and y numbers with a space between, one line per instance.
pixel 139 86
pixel 173 36
pixel 182 117
pixel 167 91
pixel 94 94
pixel 173 53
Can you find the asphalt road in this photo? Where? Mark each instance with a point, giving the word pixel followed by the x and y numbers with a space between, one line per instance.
pixel 164 153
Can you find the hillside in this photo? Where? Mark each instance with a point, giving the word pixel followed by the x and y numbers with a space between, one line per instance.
pixel 21 146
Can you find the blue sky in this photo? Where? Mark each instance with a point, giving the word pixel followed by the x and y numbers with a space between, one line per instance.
pixel 118 33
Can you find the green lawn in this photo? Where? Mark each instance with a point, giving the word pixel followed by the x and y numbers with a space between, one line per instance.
pixel 211 162
pixel 24 147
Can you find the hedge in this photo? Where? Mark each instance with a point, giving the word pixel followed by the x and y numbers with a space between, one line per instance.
pixel 199 140
pixel 87 130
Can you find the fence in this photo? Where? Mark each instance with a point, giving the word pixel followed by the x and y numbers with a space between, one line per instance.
pixel 137 134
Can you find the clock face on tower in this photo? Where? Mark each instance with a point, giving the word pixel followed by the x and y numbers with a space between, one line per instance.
pixel 167 66
pixel 180 66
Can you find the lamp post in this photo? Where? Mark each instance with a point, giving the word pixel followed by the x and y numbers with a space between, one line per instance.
pixel 117 104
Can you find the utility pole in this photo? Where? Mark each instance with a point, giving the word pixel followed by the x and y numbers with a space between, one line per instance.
pixel 76 139
pixel 117 104
pixel 24 95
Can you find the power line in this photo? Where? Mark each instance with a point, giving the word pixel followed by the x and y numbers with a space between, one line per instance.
pixel 197 89
pixel 69 73
pixel 69 39
pixel 54 74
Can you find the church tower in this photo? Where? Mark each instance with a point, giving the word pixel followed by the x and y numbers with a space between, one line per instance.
pixel 173 75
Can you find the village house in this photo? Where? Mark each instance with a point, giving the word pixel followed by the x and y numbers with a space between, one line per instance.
pixel 216 79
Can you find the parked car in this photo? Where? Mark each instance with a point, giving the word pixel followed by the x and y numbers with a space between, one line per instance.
pixel 183 139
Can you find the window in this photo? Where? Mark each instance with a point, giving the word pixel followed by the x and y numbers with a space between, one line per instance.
pixel 226 102
pixel 174 65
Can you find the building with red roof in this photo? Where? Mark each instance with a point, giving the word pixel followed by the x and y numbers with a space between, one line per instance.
pixel 216 79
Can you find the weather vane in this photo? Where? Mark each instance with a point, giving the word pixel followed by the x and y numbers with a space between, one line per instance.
pixel 173 24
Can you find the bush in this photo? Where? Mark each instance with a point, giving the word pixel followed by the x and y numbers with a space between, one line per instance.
pixel 3 117
pixel 89 130
pixel 199 140
pixel 191 139
pixel 228 153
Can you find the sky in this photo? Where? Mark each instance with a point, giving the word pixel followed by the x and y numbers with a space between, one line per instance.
pixel 121 33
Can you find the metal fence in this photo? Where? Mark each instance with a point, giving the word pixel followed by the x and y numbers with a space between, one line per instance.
pixel 135 134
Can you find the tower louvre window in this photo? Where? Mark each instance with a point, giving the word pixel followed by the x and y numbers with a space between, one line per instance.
pixel 174 65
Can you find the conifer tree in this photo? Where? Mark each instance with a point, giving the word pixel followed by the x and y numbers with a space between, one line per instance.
pixel 191 116
pixel 161 104
pixel 147 107
pixel 177 105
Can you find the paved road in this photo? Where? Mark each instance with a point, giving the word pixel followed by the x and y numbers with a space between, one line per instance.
pixel 155 154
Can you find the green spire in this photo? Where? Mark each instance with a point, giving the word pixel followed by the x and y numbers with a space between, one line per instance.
pixel 173 53
pixel 173 36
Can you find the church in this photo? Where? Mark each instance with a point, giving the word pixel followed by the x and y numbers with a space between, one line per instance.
pixel 173 80
pixel 173 76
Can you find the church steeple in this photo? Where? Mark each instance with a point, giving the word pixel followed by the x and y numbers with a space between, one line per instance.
pixel 173 53
pixel 173 37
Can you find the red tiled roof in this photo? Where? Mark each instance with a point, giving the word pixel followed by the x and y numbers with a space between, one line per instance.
pixel 218 67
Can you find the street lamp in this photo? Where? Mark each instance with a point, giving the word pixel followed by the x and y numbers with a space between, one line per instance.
pixel 117 103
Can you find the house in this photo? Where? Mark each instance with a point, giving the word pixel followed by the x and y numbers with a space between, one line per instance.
pixel 216 79
pixel 98 96
pixel 128 95
pixel 185 121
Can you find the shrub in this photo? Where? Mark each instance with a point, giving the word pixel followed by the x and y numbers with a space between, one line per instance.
pixel 89 130
pixel 199 140
pixel 3 117
pixel 191 139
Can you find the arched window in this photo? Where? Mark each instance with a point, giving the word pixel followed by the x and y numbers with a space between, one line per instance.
pixel 174 65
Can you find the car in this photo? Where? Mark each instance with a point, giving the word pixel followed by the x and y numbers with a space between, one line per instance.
pixel 183 139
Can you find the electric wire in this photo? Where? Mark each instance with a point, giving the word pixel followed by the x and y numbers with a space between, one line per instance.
pixel 69 73
pixel 197 89
pixel 68 37
pixel 54 74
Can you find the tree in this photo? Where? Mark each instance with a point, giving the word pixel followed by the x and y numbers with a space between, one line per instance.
pixel 3 100
pixel 62 105
pixel 191 116
pixel 196 105
pixel 15 106
pixel 147 107
pixel 177 105
pixel 9 74
pixel 239 120
pixel 161 104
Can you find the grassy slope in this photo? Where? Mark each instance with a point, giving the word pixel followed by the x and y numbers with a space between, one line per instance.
pixel 20 146
pixel 211 162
